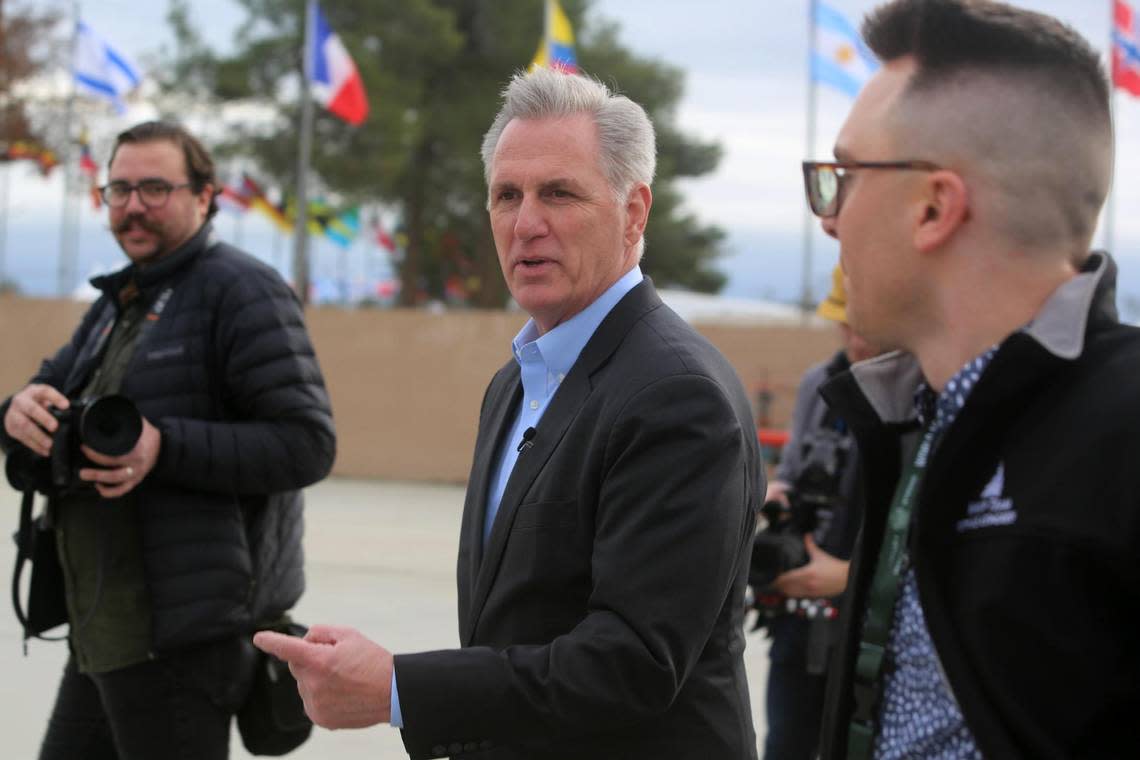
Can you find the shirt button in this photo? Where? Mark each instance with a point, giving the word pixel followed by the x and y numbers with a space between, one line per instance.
pixel 561 376
pixel 534 405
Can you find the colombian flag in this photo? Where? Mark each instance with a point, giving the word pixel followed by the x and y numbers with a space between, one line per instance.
pixel 556 48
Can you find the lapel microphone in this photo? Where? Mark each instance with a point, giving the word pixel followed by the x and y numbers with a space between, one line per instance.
pixel 527 441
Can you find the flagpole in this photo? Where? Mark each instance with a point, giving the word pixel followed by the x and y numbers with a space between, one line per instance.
pixel 5 166
pixel 808 218
pixel 5 181
pixel 1109 242
pixel 300 229
pixel 68 230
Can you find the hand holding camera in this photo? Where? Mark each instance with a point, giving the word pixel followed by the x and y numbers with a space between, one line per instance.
pixel 29 419
pixel 118 475
pixel 65 441
pixel 823 576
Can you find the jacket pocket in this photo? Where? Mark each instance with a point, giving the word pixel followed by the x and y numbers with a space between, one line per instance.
pixel 547 514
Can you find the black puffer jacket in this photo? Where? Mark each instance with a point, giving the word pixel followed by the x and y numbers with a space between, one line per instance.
pixel 227 373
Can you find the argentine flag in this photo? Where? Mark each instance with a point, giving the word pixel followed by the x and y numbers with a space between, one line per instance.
pixel 335 82
pixel 101 70
pixel 839 58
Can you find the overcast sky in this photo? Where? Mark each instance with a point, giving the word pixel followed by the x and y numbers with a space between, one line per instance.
pixel 745 86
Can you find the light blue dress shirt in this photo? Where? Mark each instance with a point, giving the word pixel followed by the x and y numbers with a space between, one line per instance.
pixel 543 363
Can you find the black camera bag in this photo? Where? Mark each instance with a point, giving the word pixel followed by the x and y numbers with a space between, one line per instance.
pixel 272 721
pixel 35 544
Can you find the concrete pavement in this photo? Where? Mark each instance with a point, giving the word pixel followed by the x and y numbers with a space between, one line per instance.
pixel 380 557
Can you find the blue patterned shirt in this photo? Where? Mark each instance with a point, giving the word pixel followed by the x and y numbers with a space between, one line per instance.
pixel 919 717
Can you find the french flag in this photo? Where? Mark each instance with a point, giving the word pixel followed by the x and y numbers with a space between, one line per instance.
pixel 335 82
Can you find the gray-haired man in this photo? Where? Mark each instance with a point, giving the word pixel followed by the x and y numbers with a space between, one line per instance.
pixel 610 507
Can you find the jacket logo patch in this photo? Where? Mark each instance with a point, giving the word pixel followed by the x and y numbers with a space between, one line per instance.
pixel 169 352
pixel 991 508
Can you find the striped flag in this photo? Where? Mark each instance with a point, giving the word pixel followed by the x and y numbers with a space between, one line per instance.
pixel 556 48
pixel 336 83
pixel 1126 48
pixel 102 70
pixel 839 58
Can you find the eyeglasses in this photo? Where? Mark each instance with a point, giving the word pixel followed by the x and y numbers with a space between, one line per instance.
pixel 153 193
pixel 824 180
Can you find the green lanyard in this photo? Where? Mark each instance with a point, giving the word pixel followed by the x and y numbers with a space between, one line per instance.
pixel 885 586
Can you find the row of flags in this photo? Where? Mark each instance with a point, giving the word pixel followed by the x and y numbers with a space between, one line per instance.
pixel 341 227
pixel 839 59
pixel 104 71
pixel 29 150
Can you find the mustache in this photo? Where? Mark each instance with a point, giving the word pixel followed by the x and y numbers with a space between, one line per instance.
pixel 141 221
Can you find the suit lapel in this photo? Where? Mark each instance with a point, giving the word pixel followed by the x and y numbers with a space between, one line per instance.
pixel 505 394
pixel 567 402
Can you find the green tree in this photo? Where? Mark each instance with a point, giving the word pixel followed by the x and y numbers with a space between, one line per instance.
pixel 433 70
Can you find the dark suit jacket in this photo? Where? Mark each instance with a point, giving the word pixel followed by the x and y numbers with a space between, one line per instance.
pixel 604 617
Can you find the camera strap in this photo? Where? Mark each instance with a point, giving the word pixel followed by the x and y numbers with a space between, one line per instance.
pixel 885 585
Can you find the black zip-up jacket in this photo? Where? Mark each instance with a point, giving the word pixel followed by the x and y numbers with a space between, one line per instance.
pixel 1026 537
pixel 227 374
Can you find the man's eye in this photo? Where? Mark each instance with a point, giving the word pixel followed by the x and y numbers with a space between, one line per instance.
pixel 506 195
pixel 153 186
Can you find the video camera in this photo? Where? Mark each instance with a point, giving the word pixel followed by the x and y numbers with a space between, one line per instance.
pixel 812 504
pixel 109 424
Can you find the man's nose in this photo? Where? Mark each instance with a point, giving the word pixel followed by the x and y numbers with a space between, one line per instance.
pixel 531 220
pixel 830 226
pixel 134 204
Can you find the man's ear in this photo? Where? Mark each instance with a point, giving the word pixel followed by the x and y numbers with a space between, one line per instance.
pixel 943 207
pixel 204 198
pixel 637 206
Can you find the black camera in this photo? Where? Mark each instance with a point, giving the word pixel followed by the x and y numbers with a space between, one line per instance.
pixel 110 425
pixel 812 504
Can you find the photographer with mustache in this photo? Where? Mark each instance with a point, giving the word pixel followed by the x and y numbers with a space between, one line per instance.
pixel 173 553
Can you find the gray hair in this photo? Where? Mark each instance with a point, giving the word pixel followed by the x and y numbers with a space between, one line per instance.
pixel 627 144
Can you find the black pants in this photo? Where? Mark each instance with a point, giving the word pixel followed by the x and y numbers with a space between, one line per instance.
pixel 794 698
pixel 173 707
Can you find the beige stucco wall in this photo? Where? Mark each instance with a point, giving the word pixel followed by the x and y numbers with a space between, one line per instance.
pixel 406 385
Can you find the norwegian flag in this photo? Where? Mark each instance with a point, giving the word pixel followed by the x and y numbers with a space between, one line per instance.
pixel 1126 48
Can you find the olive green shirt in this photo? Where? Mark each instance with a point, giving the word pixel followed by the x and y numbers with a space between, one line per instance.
pixel 99 541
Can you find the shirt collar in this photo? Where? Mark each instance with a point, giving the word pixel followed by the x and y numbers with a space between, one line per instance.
pixel 560 347
pixel 890 381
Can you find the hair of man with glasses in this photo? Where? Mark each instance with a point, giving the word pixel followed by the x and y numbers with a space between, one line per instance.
pixel 199 165
pixel 1016 99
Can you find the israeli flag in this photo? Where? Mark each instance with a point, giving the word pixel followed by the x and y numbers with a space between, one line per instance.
pixel 101 70
pixel 840 59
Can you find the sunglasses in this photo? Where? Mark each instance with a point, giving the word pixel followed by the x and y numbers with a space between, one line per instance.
pixel 823 180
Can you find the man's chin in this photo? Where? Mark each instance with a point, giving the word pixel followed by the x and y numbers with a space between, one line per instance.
pixel 141 254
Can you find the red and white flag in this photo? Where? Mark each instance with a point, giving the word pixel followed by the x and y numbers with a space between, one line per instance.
pixel 335 82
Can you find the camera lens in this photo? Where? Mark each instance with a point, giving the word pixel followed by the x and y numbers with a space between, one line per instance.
pixel 111 425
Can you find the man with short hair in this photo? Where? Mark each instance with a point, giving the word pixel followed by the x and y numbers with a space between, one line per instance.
pixel 994 593
pixel 609 513
pixel 178 550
